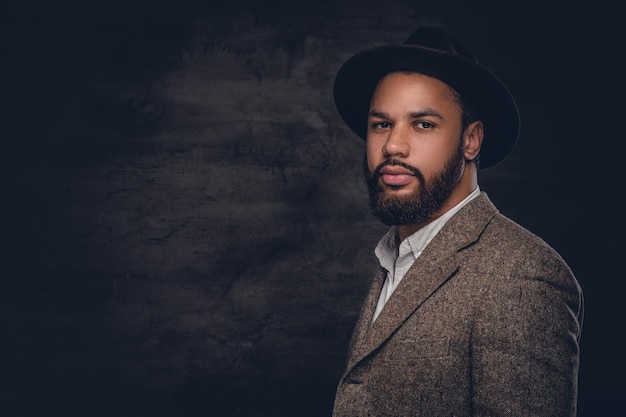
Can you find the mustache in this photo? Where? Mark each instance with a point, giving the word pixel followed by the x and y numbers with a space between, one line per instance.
pixel 394 162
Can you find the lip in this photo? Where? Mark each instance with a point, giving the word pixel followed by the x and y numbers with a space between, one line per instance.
pixel 395 170
pixel 396 176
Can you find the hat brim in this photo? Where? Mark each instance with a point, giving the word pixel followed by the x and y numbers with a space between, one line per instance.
pixel 491 100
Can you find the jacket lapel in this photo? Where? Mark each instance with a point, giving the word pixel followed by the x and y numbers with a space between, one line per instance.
pixel 423 278
pixel 363 324
pixel 437 263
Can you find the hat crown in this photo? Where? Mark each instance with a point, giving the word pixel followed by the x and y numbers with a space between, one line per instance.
pixel 439 39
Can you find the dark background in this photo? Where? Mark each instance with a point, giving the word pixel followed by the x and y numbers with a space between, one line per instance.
pixel 184 224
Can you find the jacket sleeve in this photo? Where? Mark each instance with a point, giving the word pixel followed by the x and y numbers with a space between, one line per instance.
pixel 525 342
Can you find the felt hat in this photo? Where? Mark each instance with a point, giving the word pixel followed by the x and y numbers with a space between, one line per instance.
pixel 434 52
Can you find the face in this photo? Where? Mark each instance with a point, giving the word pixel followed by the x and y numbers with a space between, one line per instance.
pixel 415 156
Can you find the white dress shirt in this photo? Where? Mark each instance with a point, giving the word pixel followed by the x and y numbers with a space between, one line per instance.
pixel 396 258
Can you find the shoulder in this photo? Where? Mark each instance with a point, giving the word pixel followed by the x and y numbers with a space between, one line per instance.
pixel 512 255
pixel 506 248
pixel 508 239
pixel 515 238
pixel 503 237
pixel 490 245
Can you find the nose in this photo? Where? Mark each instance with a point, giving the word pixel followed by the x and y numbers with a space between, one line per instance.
pixel 397 143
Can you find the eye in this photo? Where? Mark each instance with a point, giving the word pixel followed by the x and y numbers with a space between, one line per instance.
pixel 424 125
pixel 381 125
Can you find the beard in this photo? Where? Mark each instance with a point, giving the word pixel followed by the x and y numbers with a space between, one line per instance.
pixel 422 203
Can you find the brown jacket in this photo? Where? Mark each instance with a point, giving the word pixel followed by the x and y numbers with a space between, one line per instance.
pixel 485 323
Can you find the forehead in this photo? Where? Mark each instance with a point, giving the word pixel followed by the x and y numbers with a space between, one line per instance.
pixel 406 87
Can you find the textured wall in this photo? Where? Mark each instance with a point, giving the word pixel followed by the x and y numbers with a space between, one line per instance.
pixel 184 220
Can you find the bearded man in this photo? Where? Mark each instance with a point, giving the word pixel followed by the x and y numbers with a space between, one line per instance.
pixel 470 314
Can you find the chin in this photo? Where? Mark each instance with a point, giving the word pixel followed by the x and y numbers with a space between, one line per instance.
pixel 399 190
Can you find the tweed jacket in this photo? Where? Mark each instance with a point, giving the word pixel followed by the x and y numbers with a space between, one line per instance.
pixel 486 322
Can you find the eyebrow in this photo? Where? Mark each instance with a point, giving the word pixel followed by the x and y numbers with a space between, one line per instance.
pixel 413 115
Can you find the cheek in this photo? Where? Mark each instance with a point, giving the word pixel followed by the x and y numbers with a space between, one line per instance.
pixel 373 154
pixel 434 155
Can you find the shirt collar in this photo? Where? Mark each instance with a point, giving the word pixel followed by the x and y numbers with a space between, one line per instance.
pixel 389 247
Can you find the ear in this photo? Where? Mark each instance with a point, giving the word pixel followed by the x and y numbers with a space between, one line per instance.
pixel 473 140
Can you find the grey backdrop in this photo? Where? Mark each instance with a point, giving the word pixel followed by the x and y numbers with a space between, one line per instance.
pixel 184 224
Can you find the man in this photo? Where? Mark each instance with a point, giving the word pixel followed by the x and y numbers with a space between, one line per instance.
pixel 470 314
